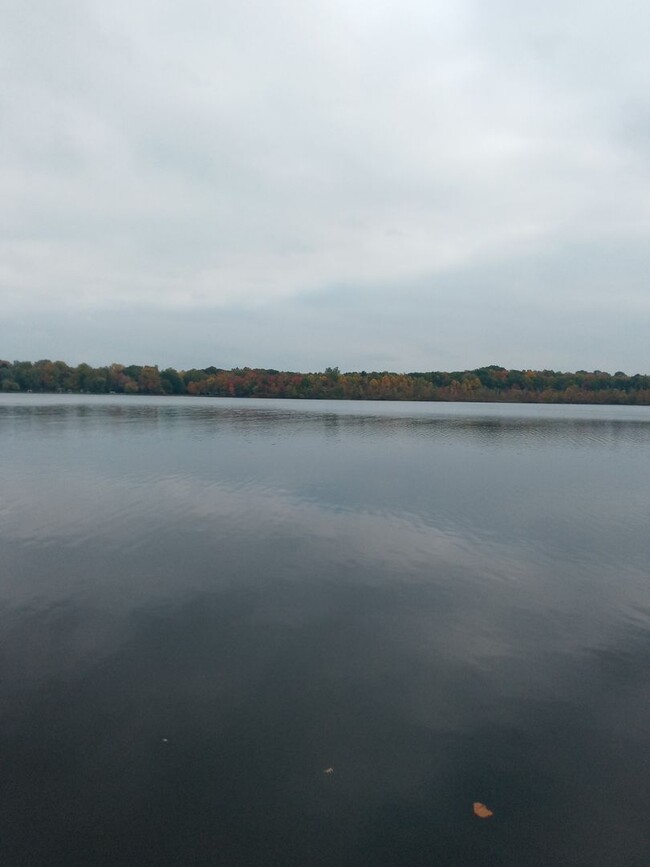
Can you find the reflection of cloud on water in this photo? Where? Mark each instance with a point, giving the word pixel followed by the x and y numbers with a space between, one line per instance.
pixel 268 635
pixel 423 694
pixel 177 535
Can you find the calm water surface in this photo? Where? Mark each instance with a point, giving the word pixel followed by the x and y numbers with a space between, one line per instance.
pixel 205 604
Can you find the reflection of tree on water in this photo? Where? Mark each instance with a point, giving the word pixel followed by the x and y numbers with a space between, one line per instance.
pixel 499 424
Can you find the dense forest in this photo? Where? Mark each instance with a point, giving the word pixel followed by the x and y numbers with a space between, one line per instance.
pixel 492 383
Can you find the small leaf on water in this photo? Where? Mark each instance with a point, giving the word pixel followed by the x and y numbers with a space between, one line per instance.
pixel 482 811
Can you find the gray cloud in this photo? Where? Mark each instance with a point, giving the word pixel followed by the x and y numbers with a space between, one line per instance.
pixel 371 184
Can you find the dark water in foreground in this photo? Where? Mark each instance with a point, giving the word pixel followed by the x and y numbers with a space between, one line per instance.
pixel 204 604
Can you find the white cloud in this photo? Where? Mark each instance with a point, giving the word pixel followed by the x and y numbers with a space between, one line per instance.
pixel 216 155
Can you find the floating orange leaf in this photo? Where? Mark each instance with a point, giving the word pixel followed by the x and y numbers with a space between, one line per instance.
pixel 482 811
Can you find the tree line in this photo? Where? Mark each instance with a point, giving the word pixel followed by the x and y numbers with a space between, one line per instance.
pixel 491 383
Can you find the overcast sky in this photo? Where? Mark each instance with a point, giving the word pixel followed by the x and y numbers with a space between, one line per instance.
pixel 373 184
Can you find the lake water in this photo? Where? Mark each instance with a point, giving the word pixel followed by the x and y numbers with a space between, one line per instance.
pixel 205 604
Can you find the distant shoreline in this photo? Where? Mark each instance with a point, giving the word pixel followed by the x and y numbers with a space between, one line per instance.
pixel 492 384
